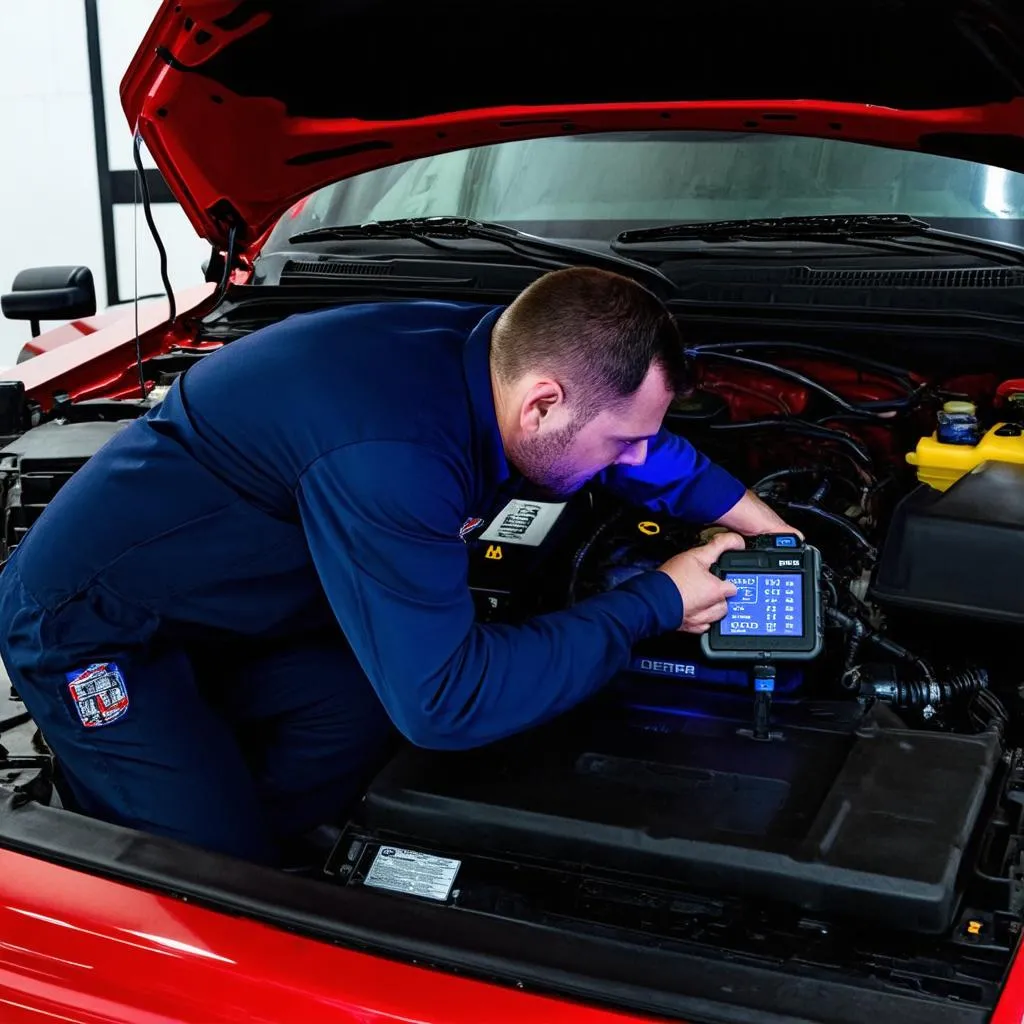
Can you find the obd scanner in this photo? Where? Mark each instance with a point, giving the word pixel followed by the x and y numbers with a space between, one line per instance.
pixel 775 615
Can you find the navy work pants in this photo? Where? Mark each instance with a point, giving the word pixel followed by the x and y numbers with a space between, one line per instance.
pixel 236 752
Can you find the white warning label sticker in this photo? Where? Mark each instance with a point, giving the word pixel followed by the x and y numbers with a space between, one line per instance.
pixel 523 522
pixel 418 874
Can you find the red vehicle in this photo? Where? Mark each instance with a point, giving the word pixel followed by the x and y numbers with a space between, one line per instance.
pixel 831 197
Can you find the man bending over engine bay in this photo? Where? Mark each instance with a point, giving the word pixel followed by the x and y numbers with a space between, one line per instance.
pixel 223 617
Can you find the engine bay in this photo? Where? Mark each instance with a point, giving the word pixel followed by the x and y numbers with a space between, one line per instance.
pixel 873 835
pixel 875 831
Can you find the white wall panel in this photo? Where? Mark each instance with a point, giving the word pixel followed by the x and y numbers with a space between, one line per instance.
pixel 185 251
pixel 49 201
pixel 50 210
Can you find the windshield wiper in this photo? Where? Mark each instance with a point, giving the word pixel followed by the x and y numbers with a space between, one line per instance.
pixel 880 230
pixel 541 251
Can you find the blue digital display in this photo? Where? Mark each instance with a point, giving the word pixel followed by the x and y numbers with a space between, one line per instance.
pixel 766 604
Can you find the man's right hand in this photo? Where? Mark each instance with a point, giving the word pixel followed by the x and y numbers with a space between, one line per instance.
pixel 704 594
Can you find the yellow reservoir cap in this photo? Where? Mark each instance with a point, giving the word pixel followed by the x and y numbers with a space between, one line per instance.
pixel 941 465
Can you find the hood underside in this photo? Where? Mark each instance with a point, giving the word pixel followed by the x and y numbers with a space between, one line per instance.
pixel 248 105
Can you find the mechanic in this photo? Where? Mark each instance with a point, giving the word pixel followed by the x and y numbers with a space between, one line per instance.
pixel 172 619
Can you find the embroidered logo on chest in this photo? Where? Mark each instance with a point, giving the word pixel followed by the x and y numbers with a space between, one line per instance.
pixel 471 524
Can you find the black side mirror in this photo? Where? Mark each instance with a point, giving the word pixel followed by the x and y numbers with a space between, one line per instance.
pixel 50 293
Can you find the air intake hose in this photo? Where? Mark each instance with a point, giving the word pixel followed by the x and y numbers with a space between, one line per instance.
pixel 882 682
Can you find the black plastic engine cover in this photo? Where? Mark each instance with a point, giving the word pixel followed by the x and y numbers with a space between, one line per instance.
pixel 959 552
pixel 863 819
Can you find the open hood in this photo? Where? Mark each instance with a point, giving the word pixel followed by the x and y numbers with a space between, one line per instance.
pixel 248 105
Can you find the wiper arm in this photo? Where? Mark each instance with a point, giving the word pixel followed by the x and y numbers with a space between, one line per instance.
pixel 899 230
pixel 542 251
pixel 873 225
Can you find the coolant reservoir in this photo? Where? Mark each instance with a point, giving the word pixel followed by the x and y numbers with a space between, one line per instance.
pixel 940 464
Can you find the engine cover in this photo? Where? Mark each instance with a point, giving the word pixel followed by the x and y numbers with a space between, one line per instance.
pixel 851 814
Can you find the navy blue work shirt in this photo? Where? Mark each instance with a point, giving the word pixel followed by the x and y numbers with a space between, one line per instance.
pixel 337 454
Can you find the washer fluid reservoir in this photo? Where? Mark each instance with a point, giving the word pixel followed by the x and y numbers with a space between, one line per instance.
pixel 940 463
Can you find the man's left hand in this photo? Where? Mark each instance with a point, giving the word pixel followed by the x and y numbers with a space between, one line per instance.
pixel 751 517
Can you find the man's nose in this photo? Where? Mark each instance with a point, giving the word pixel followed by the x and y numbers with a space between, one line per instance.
pixel 634 455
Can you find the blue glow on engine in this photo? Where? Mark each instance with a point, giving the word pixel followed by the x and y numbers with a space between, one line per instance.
pixel 676 712
pixel 698 673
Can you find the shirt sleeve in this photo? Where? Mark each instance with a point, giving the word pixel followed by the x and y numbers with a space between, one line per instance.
pixel 677 480
pixel 382 521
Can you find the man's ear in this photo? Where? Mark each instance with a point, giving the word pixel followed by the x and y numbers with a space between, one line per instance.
pixel 544 397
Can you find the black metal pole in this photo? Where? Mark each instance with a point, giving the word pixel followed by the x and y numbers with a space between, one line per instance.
pixel 99 122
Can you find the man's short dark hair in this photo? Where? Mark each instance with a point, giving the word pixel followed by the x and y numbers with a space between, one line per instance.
pixel 597 331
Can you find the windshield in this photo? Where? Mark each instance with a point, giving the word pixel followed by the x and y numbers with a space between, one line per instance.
pixel 594 186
